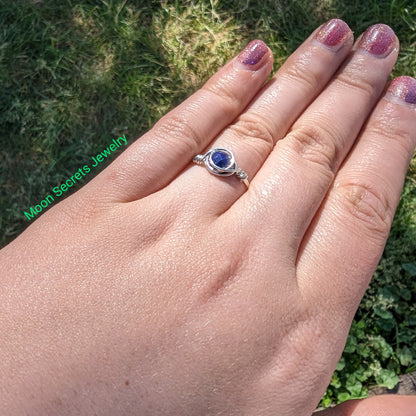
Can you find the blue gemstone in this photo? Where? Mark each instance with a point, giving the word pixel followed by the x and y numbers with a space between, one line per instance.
pixel 221 159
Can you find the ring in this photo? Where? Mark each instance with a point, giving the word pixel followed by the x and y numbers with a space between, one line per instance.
pixel 221 162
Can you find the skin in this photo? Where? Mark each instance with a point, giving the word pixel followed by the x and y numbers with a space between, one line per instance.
pixel 160 289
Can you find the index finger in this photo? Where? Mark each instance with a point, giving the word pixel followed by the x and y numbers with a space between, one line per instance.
pixel 162 153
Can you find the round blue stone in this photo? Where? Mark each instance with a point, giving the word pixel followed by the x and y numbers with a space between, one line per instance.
pixel 221 159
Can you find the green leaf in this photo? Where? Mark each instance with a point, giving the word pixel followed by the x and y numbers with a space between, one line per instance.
pixel 410 268
pixel 326 402
pixel 363 349
pixel 382 313
pixel 405 356
pixel 412 321
pixel 355 389
pixel 388 294
pixel 361 374
pixel 335 382
pixel 406 294
pixel 386 324
pixel 341 364
pixel 382 346
pixel 387 379
pixel 342 397
pixel 351 344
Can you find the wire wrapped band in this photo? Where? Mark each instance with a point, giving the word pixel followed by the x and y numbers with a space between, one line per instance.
pixel 221 162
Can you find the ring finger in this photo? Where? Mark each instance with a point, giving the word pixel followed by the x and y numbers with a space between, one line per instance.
pixel 253 134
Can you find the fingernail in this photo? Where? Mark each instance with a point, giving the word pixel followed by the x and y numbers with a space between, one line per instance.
pixel 378 40
pixel 253 53
pixel 333 33
pixel 403 88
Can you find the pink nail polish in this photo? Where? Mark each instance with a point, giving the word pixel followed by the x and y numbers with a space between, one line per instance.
pixel 378 40
pixel 333 33
pixel 253 53
pixel 404 88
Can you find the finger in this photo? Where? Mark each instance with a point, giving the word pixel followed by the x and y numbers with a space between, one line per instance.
pixel 157 157
pixel 375 406
pixel 347 237
pixel 302 166
pixel 252 136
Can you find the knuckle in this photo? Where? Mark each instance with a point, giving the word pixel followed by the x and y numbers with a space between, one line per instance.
pixel 179 124
pixel 315 144
pixel 176 127
pixel 366 204
pixel 391 130
pixel 301 73
pixel 227 98
pixel 349 80
pixel 254 126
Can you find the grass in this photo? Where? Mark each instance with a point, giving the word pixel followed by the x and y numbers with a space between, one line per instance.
pixel 75 75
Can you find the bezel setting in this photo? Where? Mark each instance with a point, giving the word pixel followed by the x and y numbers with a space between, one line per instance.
pixel 230 168
pixel 227 170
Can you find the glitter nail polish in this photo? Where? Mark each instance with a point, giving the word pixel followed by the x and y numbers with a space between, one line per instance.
pixel 333 33
pixel 253 53
pixel 378 40
pixel 404 88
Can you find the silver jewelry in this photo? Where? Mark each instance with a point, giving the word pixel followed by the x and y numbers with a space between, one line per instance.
pixel 221 162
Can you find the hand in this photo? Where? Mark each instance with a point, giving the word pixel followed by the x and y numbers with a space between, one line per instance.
pixel 161 289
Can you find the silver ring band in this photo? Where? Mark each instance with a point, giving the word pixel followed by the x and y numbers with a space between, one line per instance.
pixel 221 162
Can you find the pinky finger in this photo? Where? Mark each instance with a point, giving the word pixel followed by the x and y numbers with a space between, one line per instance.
pixel 348 235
